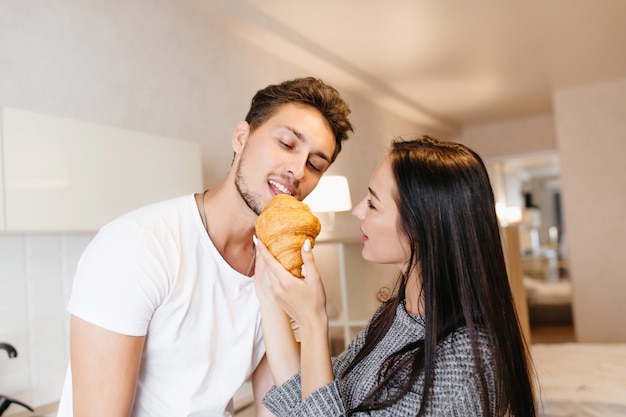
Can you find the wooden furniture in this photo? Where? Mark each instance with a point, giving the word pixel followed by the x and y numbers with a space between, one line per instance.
pixel 512 253
pixel 580 379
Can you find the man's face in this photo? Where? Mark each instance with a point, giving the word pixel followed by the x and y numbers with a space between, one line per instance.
pixel 286 154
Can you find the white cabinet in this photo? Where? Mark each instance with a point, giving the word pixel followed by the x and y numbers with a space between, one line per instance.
pixel 60 174
pixel 2 225
pixel 352 288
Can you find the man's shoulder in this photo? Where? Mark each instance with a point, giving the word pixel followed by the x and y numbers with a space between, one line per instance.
pixel 153 221
pixel 158 210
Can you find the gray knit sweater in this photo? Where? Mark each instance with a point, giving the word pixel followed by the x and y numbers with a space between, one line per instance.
pixel 456 386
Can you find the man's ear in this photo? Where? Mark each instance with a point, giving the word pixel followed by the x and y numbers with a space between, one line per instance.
pixel 240 136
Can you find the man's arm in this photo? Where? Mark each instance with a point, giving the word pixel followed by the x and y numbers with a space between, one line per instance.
pixel 262 381
pixel 104 366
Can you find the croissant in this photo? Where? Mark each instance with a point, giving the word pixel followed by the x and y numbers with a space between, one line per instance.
pixel 283 227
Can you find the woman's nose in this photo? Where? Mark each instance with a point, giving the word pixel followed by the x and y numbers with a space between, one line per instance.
pixel 357 211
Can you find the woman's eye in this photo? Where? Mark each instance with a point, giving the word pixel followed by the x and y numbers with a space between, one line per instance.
pixel 286 145
pixel 370 205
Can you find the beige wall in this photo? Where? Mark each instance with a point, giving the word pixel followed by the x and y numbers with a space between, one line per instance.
pixel 168 68
pixel 591 133
pixel 511 138
pixel 588 130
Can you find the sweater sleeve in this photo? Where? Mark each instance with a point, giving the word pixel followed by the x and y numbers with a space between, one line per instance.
pixel 466 398
pixel 327 401
pixel 282 400
pixel 466 403
pixel 286 400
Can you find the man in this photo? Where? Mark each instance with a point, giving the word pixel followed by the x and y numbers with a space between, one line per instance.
pixel 164 316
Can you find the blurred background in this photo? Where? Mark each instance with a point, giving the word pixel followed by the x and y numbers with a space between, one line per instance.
pixel 91 88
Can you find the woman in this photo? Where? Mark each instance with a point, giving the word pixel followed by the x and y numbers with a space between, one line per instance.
pixel 447 342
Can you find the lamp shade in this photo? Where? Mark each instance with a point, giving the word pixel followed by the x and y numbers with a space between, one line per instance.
pixel 332 194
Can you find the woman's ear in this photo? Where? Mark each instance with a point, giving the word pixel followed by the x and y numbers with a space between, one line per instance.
pixel 240 136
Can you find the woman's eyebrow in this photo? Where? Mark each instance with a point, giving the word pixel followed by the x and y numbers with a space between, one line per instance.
pixel 372 192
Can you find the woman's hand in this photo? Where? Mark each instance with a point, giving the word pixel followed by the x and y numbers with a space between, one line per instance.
pixel 304 299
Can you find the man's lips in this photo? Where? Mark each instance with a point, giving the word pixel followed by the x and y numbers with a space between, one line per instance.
pixel 280 188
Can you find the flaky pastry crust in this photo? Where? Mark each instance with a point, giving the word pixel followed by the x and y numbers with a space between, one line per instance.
pixel 283 227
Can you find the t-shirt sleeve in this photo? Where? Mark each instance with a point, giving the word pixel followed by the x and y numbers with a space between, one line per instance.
pixel 121 279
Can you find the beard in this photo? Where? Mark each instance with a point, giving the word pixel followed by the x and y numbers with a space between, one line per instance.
pixel 252 200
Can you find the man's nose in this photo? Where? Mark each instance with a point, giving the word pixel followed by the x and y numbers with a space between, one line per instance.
pixel 296 167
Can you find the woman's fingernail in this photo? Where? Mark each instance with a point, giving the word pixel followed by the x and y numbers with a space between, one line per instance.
pixel 307 245
pixel 254 239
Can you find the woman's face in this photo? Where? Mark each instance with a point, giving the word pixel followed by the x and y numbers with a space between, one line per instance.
pixel 383 242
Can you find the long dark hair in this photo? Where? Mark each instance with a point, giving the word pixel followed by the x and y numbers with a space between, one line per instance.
pixel 447 213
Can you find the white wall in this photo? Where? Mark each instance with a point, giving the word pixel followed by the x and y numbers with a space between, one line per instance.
pixel 588 130
pixel 36 273
pixel 159 67
pixel 167 68
pixel 497 142
pixel 511 138
pixel 591 132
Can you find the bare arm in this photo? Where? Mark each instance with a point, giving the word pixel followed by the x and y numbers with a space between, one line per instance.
pixel 261 383
pixel 104 370
pixel 282 351
pixel 305 301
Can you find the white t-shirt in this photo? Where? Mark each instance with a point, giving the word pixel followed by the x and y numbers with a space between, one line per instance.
pixel 155 272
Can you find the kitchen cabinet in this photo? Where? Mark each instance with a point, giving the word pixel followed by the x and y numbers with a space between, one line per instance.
pixel 2 225
pixel 60 174
pixel 352 288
